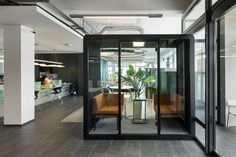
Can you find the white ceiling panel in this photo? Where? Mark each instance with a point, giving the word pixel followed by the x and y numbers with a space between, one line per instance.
pixel 51 34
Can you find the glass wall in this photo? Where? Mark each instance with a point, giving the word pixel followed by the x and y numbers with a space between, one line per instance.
pixel 139 84
pixel 172 87
pixel 200 71
pixel 194 14
pixel 200 88
pixel 138 87
pixel 103 73
pixel 220 138
pixel 226 98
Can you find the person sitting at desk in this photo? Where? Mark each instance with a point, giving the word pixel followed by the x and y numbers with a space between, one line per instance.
pixel 47 81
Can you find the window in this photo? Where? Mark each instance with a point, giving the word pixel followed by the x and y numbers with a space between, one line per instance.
pixel 200 74
pixel 194 14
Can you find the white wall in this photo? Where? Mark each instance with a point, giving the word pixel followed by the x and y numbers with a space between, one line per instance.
pixel 167 25
pixel 230 64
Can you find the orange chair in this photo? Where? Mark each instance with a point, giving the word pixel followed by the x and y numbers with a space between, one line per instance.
pixel 170 104
pixel 106 105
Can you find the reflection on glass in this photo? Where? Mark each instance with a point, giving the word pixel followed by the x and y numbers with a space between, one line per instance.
pixel 141 65
pixel 172 105
pixel 226 122
pixel 200 133
pixel 1 83
pixel 139 83
pixel 103 68
pixel 213 1
pixel 200 74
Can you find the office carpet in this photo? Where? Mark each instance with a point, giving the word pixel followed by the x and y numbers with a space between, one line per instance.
pixel 75 117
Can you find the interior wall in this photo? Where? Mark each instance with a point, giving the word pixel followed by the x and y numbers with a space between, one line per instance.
pixel 230 63
pixel 73 71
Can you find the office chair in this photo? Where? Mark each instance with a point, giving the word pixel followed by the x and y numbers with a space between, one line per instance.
pixel 56 92
pixel 231 103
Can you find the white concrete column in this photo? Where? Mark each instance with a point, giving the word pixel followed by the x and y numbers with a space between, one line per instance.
pixel 18 74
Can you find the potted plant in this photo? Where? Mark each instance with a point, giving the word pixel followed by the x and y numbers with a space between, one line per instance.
pixel 137 79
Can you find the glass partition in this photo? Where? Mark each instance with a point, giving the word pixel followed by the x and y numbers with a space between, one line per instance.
pixel 195 13
pixel 102 74
pixel 200 72
pixel 226 97
pixel 200 88
pixel 139 84
pixel 172 87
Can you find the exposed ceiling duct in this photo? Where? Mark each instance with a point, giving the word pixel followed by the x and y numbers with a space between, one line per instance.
pixel 122 28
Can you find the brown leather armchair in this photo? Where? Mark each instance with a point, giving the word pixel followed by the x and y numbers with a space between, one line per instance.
pixel 170 104
pixel 106 105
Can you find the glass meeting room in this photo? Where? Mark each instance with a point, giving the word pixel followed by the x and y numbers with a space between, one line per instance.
pixel 138 85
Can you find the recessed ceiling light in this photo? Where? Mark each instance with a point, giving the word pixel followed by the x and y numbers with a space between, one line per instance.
pixel 138 44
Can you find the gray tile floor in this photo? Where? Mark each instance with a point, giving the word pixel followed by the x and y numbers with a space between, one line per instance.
pixel 226 141
pixel 1 109
pixel 109 126
pixel 48 137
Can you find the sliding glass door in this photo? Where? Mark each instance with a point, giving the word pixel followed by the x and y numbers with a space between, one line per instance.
pixel 139 86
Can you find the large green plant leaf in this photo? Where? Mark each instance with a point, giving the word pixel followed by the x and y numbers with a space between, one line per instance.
pixel 136 79
pixel 140 74
pixel 152 90
pixel 131 71
pixel 149 79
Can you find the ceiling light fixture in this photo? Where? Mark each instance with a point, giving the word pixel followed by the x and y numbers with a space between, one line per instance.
pixel 138 44
pixel 46 63
pixel 107 53
pixel 116 15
